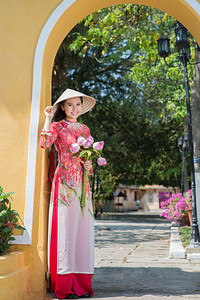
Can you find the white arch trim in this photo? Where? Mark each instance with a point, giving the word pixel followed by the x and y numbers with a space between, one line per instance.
pixel 25 239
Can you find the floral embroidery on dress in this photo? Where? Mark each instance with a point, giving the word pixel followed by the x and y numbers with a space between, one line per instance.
pixel 67 194
pixel 70 168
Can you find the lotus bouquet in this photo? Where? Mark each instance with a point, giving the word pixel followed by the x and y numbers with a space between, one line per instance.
pixel 88 150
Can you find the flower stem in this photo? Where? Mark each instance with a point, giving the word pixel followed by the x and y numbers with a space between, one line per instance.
pixel 83 197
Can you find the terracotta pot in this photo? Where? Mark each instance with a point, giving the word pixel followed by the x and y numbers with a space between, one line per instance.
pixel 190 213
pixel 185 221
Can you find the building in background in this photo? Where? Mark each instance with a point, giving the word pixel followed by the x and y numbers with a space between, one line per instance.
pixel 132 197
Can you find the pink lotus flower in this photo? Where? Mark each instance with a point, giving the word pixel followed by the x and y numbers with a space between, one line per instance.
pixel 80 140
pixel 90 138
pixel 87 143
pixel 75 148
pixel 101 161
pixel 98 145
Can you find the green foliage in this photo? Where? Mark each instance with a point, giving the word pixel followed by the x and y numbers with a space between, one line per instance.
pixel 185 233
pixel 8 221
pixel 105 184
pixel 137 150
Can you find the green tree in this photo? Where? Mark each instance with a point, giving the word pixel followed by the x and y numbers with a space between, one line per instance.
pixel 112 55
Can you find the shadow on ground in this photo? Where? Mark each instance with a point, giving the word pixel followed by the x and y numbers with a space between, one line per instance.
pixel 111 282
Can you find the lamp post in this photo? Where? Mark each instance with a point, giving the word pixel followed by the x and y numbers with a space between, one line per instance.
pixel 182 145
pixel 183 46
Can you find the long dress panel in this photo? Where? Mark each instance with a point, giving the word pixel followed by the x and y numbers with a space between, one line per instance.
pixel 75 225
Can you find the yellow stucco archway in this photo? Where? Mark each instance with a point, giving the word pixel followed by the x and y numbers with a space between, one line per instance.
pixel 32 34
pixel 71 12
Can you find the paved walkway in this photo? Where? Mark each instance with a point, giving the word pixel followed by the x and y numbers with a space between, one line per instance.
pixel 132 262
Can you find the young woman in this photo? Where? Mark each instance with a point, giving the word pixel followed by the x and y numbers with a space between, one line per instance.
pixel 71 228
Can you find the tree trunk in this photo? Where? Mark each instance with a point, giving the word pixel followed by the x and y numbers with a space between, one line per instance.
pixel 195 109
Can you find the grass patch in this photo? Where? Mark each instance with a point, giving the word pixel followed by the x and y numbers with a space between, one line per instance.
pixel 185 233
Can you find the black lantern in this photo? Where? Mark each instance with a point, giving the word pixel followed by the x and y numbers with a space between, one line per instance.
pixel 180 143
pixel 181 35
pixel 163 47
pixel 184 52
pixel 186 137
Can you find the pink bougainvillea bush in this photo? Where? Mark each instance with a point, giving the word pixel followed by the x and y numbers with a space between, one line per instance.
pixel 175 206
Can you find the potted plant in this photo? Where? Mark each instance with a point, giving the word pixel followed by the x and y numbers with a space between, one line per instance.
pixel 9 219
pixel 176 206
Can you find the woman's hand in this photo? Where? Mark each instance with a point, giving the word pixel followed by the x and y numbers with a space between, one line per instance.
pixel 88 165
pixel 49 112
pixel 49 115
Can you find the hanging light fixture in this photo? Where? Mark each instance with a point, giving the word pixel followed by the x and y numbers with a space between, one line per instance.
pixel 163 46
pixel 181 35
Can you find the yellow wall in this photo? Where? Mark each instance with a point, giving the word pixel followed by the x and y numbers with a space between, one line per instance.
pixel 21 23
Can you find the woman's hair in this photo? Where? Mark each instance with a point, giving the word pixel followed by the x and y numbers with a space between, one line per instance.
pixel 59 113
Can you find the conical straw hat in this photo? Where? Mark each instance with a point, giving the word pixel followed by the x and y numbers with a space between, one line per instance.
pixel 88 102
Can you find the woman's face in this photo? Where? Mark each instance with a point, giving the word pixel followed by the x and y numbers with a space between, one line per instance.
pixel 72 108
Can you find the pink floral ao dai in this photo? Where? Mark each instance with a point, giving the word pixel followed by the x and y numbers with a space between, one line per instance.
pixel 75 227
